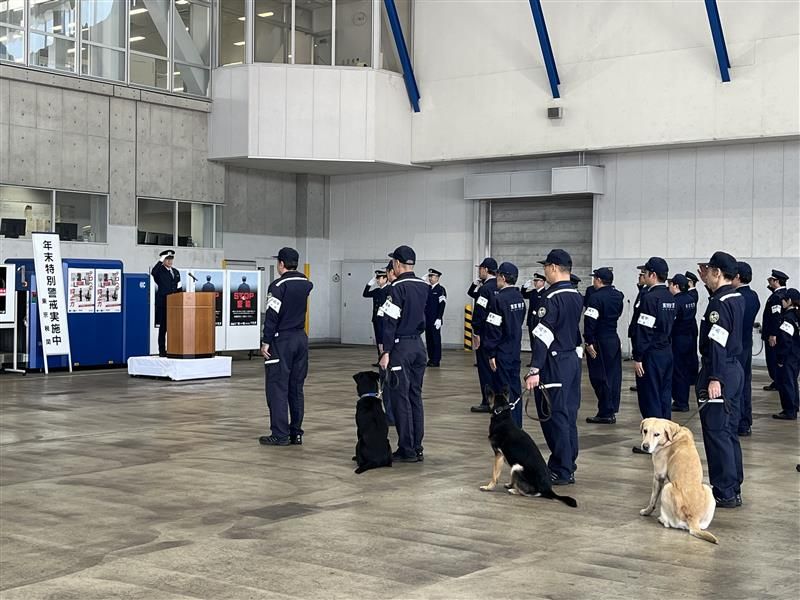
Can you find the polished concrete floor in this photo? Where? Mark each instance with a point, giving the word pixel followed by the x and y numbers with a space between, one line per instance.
pixel 114 487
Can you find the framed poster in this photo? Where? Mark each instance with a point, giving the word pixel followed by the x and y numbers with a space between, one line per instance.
pixel 242 316
pixel 80 290
pixel 6 292
pixel 108 290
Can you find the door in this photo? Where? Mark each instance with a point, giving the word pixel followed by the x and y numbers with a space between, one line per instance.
pixel 357 310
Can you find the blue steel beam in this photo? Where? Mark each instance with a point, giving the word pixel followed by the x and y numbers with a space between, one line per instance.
pixel 402 52
pixel 719 39
pixel 547 49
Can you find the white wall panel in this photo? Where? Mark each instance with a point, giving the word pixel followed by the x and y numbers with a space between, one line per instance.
pixel 655 203
pixel 737 213
pixel 791 202
pixel 299 112
pixel 681 197
pixel 710 190
pixel 326 123
pixel 271 112
pixel 353 109
pixel 628 208
pixel 768 199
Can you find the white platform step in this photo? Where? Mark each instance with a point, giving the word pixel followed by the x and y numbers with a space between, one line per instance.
pixel 180 369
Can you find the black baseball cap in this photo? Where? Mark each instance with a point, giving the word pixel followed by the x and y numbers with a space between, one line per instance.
pixel 488 263
pixel 508 268
pixel 680 280
pixel 288 256
pixel 657 265
pixel 390 267
pixel 604 274
pixel 722 261
pixel 574 279
pixel 779 275
pixel 792 294
pixel 434 272
pixel 557 257
pixel 405 255
pixel 744 270
pixel 691 276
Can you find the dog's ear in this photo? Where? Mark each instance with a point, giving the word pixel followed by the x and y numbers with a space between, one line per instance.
pixel 374 376
pixel 489 394
pixel 641 427
pixel 356 377
pixel 671 430
pixel 506 392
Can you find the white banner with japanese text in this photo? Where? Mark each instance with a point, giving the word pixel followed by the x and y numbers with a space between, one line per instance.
pixel 51 298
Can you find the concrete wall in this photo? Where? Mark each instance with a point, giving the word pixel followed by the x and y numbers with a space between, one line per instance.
pixel 632 73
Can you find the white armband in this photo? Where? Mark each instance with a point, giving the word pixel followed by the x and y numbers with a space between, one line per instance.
pixel 592 313
pixel 647 320
pixel 494 319
pixel 482 301
pixel 719 335
pixel 788 328
pixel 543 333
pixel 442 298
pixel 274 304
pixel 391 310
pixel 776 309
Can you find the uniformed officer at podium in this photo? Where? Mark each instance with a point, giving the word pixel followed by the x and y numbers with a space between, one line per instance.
pixel 168 281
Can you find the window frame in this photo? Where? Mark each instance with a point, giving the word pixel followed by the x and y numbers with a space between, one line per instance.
pixel 215 212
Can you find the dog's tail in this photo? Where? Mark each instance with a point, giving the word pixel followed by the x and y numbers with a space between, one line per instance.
pixel 694 529
pixel 568 500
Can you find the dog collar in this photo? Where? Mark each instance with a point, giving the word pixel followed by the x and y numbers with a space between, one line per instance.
pixel 370 395
pixel 509 406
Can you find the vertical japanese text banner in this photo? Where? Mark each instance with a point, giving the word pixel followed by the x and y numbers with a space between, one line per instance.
pixel 51 298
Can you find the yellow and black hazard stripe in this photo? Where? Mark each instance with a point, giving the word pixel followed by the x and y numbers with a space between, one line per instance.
pixel 468 327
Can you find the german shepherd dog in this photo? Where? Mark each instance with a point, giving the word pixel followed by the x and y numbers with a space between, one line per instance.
pixel 372 449
pixel 529 473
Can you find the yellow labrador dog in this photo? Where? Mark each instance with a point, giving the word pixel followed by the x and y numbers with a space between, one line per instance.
pixel 686 502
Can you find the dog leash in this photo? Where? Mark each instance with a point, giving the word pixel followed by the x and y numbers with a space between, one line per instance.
pixel 702 401
pixel 546 402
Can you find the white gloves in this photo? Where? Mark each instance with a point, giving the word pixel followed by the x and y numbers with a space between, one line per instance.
pixel 437 323
pixel 477 283
pixel 372 282
pixel 180 284
pixel 528 284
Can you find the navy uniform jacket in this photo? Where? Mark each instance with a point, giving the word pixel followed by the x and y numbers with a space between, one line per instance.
pixel 685 315
pixel 602 312
pixel 534 298
pixel 286 304
pixel 378 296
pixel 655 321
pixel 721 331
pixel 557 330
pixel 637 305
pixel 434 307
pixel 474 290
pixel 788 347
pixel 751 306
pixel 694 294
pixel 588 294
pixel 404 309
pixel 167 283
pixel 773 314
pixel 503 326
pixel 485 294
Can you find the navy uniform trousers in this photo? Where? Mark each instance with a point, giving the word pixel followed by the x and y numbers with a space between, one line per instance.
pixel 286 372
pixel 605 375
pixel 720 421
pixel 409 355
pixel 433 342
pixel 561 376
pixel 786 380
pixel 485 376
pixel 746 418
pixel 655 388
pixel 771 356
pixel 684 369
pixel 507 374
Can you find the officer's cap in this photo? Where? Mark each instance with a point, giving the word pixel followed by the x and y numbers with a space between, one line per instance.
pixel 289 256
pixel 574 279
pixel 405 255
pixel 508 268
pixel 390 267
pixel 657 265
pixel 434 272
pixel 793 295
pixel 680 280
pixel 779 275
pixel 604 274
pixel 744 270
pixel 557 257
pixel 167 254
pixel 691 277
pixel 539 276
pixel 380 273
pixel 722 261
pixel 488 263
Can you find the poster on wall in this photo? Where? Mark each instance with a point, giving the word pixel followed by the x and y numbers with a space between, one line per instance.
pixel 108 290
pixel 80 290
pixel 212 281
pixel 243 290
pixel 50 295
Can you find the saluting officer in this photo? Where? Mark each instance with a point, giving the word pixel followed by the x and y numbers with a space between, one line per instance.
pixel 377 289
pixel 502 339
pixel 556 366
pixel 603 348
pixel 776 283
pixel 284 346
pixel 684 343
pixel 652 349
pixel 787 354
pixel 488 287
pixel 168 281
pixel 752 305
pixel 692 278
pixel 404 353
pixel 637 303
pixel 721 379
pixel 532 292
pixel 434 313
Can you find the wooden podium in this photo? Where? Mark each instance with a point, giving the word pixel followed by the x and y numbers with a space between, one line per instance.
pixel 190 325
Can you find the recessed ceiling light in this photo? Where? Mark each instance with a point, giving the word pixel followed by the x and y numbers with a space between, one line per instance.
pixel 266 14
pixel 238 43
pixel 243 18
pixel 177 73
pixel 137 38
pixel 71 51
pixel 181 1
pixel 180 89
pixel 57 28
pixel 138 11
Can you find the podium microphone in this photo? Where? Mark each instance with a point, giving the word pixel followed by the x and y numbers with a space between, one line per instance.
pixel 192 276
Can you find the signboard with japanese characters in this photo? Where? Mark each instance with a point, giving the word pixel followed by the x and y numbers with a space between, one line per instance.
pixel 242 318
pixel 50 298
pixel 6 293
pixel 80 293
pixel 108 296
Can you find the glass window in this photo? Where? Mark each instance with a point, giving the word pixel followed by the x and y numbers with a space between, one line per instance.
pixel 195 225
pixel 390 59
pixel 272 31
pixel 192 80
pixel 103 22
pixel 149 71
pixel 313 33
pixel 54 16
pixel 191 33
pixel 155 222
pixel 218 231
pixel 231 32
pixel 354 33
pixel 12 44
pixel 52 52
pixel 24 211
pixel 12 12
pixel 97 61
pixel 81 217
pixel 149 27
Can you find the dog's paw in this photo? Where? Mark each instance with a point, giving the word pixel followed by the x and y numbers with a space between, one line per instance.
pixel 663 522
pixel 508 486
pixel 487 488
pixel 513 491
pixel 645 511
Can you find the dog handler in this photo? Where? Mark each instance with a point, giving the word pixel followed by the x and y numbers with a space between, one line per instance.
pixel 721 377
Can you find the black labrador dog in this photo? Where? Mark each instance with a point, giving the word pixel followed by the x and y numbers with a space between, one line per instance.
pixel 372 449
pixel 530 475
